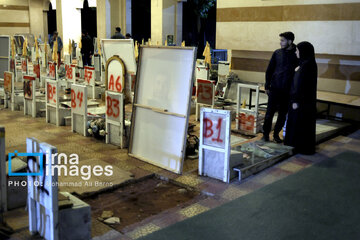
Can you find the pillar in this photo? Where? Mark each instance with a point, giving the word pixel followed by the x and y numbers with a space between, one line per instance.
pixel 119 15
pixel 70 21
pixel 103 16
pixel 166 19
pixel 36 17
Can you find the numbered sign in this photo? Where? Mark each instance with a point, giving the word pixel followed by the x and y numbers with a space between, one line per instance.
pixel 28 87
pixel 70 72
pixel 37 70
pixel 12 65
pixel 24 65
pixel 115 75
pixel 78 99
pixel 8 81
pixel 113 106
pixel 214 129
pixel 205 92
pixel 52 70
pixel 248 120
pixel 52 92
pixel 89 76
pixel 114 118
pixel 214 148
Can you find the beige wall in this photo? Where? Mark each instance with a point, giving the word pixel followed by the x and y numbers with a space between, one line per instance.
pixel 250 28
pixel 23 16
pixel 14 17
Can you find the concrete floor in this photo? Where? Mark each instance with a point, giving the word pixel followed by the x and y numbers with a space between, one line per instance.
pixel 93 152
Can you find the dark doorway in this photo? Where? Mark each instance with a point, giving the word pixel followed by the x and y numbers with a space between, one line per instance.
pixel 199 24
pixel 88 19
pixel 51 17
pixel 141 19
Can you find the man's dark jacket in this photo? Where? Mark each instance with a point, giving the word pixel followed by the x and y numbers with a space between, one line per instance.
pixel 87 45
pixel 281 70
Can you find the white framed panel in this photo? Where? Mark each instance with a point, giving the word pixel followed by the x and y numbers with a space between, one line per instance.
pixel 214 145
pixel 124 48
pixel 3 181
pixel 4 54
pixel 164 78
pixel 159 139
pixel 42 201
pixel 162 106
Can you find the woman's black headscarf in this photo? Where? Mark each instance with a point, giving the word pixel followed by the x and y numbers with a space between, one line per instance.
pixel 307 52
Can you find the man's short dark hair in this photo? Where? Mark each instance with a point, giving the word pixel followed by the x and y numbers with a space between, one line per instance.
pixel 118 29
pixel 288 36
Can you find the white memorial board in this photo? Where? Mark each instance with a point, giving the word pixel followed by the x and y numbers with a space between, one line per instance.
pixel 162 106
pixel 214 148
pixel 124 48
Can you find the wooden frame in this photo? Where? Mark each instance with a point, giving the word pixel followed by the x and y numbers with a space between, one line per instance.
pixel 225 150
pixel 117 121
pixel 43 205
pixel 115 58
pixel 155 110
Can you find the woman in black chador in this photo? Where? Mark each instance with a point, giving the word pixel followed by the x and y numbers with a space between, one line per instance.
pixel 301 123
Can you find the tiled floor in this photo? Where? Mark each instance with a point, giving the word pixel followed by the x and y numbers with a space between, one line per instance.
pixel 18 127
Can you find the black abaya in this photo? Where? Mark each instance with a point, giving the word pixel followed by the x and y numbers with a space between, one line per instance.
pixel 301 123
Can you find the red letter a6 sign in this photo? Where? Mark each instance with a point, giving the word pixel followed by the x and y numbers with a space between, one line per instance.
pixel 115 75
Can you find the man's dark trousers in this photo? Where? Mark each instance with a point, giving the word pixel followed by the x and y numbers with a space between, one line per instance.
pixel 277 102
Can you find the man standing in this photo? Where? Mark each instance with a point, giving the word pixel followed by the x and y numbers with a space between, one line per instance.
pixel 118 34
pixel 87 48
pixel 60 45
pixel 279 76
